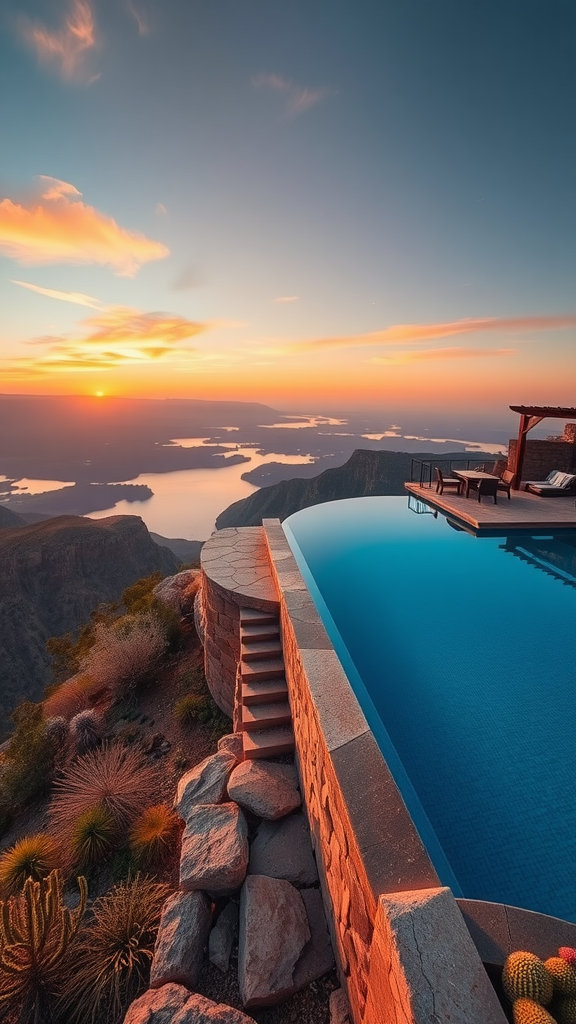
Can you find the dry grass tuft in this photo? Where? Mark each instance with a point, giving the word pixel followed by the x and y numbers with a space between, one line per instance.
pixel 92 837
pixel 71 697
pixel 114 777
pixel 154 835
pixel 31 857
pixel 125 650
pixel 111 964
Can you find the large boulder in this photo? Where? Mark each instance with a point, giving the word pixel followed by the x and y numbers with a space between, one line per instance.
pixel 267 789
pixel 214 853
pixel 317 956
pixel 283 849
pixel 205 783
pixel 222 937
pixel 177 592
pixel 273 932
pixel 233 743
pixel 181 939
pixel 339 1007
pixel 173 1004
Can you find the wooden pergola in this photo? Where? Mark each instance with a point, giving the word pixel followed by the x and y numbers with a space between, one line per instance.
pixel 531 416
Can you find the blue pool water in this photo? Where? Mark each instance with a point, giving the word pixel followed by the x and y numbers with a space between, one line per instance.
pixel 462 651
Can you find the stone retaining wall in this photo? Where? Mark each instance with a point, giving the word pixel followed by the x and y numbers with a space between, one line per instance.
pixel 543 456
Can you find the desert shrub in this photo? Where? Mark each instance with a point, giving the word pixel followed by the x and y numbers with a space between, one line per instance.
pixel 139 598
pixel 111 963
pixel 36 932
pixel 154 835
pixel 91 838
pixel 28 765
pixel 67 652
pixel 31 857
pixel 192 708
pixel 125 651
pixel 85 730
pixel 113 776
pixel 71 697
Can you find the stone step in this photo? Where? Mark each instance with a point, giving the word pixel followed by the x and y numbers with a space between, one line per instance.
pixel 253 634
pixel 261 651
pixel 254 617
pixel 266 669
pixel 262 716
pixel 265 692
pixel 268 742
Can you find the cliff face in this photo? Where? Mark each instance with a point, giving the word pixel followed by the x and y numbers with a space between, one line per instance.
pixel 52 576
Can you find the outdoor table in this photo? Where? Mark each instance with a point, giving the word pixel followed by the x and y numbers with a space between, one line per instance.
pixel 468 476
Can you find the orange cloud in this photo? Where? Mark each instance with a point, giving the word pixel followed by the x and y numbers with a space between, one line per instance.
pixel 65 48
pixel 409 333
pixel 444 353
pixel 286 298
pixel 57 227
pixel 298 98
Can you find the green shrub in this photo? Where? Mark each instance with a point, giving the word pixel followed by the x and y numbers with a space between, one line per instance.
pixel 192 708
pixel 111 962
pixel 31 857
pixel 28 765
pixel 36 933
pixel 92 837
pixel 154 835
pixel 125 651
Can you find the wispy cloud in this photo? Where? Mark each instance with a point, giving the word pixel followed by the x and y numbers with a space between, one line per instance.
pixel 57 227
pixel 397 358
pixel 78 298
pixel 407 334
pixel 297 98
pixel 140 17
pixel 65 48
pixel 115 336
pixel 160 209
pixel 286 298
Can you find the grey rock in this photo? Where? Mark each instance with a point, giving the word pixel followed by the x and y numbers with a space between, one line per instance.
pixel 283 849
pixel 267 789
pixel 273 932
pixel 214 852
pixel 232 743
pixel 222 937
pixel 317 956
pixel 172 590
pixel 181 939
pixel 339 1007
pixel 173 1004
pixel 205 783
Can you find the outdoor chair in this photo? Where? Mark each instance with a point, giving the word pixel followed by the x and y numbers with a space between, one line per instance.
pixel 486 487
pixel 505 481
pixel 445 481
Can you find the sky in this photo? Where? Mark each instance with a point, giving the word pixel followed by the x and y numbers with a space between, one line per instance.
pixel 314 204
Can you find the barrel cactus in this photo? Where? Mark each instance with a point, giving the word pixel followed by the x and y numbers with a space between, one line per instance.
pixel 527 1011
pixel 565 1009
pixel 525 977
pixel 568 953
pixel 563 976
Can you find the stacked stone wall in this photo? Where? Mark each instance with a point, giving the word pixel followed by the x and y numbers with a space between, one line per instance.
pixel 543 456
pixel 221 618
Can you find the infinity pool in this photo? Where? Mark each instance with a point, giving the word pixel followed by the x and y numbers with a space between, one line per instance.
pixel 462 651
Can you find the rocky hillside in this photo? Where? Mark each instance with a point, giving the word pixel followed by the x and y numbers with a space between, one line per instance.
pixel 52 576
pixel 365 474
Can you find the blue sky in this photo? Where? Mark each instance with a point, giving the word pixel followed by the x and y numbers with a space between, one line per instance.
pixel 372 164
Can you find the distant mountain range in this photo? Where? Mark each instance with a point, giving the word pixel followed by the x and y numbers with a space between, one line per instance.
pixel 367 473
pixel 53 574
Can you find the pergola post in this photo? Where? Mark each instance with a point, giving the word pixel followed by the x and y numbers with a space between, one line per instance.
pixel 528 419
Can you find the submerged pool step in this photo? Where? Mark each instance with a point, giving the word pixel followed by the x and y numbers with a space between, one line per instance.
pixel 268 742
pixel 267 715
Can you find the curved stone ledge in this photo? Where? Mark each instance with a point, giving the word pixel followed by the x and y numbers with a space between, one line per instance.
pixel 236 573
pixel 498 929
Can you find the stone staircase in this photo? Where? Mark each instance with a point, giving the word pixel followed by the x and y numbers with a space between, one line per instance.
pixel 265 712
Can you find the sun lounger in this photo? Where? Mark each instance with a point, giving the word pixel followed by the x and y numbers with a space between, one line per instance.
pixel 555 484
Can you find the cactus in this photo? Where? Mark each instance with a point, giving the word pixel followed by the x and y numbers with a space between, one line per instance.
pixel 563 976
pixel 526 1011
pixel 85 730
pixel 36 929
pixel 525 977
pixel 568 953
pixel 565 1009
pixel 57 730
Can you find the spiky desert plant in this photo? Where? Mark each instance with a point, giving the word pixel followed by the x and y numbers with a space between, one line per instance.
pixel 563 976
pixel 36 931
pixel 568 953
pixel 528 1011
pixel 115 777
pixel 525 977
pixel 31 857
pixel 192 708
pixel 92 837
pixel 71 697
pixel 85 730
pixel 112 958
pixel 124 651
pixel 564 1008
pixel 153 835
pixel 57 730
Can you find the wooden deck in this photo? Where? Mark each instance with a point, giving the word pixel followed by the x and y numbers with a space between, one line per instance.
pixel 524 511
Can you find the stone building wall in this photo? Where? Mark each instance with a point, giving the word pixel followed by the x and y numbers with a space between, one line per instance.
pixel 543 456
